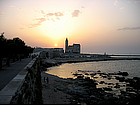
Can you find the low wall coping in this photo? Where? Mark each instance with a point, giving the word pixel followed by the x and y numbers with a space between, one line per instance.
pixel 10 89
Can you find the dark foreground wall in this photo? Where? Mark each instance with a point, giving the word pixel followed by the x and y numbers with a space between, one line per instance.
pixel 26 87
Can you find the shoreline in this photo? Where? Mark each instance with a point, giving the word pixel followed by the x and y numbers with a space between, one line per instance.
pixel 58 61
pixel 84 91
pixel 78 60
pixel 69 91
pixel 51 90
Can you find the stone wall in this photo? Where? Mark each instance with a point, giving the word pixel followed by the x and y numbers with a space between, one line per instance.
pixel 26 87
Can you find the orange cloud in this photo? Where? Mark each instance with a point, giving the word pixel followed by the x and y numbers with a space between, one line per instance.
pixel 75 13
pixel 39 21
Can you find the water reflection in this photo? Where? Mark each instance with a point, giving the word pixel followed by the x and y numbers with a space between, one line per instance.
pixel 67 70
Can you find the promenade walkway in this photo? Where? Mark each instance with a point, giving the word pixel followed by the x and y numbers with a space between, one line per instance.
pixel 8 73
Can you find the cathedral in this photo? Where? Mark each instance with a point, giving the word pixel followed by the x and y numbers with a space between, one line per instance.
pixel 72 49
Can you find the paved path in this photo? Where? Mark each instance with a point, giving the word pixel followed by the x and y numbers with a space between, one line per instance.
pixel 8 73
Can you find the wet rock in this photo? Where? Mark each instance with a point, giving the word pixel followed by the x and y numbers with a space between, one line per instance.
pixel 101 82
pixel 84 91
pixel 110 87
pixel 77 74
pixel 117 85
pixel 123 92
pixel 121 79
pixel 80 77
pixel 109 78
pixel 110 83
pixel 123 73
pixel 129 89
pixel 86 73
pixel 107 89
pixel 104 76
pixel 92 74
pixel 135 83
pixel 136 78
pixel 95 77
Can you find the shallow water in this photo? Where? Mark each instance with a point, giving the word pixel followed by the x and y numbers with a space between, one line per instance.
pixel 67 70
pixel 99 71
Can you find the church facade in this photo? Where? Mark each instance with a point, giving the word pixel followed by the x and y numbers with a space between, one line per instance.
pixel 72 49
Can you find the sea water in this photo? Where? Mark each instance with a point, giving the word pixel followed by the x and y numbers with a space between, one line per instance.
pixel 66 70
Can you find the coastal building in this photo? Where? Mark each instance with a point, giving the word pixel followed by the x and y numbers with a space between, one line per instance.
pixel 54 52
pixel 72 49
pixel 50 52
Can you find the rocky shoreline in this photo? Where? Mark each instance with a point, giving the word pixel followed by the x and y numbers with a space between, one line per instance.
pixel 81 91
pixel 85 88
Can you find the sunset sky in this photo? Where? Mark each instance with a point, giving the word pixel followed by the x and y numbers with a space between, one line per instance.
pixel 111 26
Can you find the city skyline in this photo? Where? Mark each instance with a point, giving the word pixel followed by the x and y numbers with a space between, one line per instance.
pixel 111 26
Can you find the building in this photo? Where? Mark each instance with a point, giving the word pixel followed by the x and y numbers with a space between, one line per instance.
pixel 54 52
pixel 72 49
pixel 50 52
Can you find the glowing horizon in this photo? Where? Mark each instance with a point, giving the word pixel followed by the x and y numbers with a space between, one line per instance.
pixel 111 26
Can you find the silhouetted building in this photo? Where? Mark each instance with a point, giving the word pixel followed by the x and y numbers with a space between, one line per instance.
pixel 50 52
pixel 72 49
pixel 54 52
pixel 66 45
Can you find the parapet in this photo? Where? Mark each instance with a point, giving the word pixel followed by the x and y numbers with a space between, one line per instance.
pixel 22 88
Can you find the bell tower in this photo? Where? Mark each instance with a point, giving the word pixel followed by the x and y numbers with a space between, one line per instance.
pixel 66 45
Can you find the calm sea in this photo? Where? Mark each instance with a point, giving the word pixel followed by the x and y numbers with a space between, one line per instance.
pixel 67 70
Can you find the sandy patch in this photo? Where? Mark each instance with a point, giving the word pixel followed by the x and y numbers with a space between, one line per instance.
pixel 51 90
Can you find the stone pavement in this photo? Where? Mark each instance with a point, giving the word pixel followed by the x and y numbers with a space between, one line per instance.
pixel 8 73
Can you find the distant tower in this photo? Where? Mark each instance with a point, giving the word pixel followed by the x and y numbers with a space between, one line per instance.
pixel 66 45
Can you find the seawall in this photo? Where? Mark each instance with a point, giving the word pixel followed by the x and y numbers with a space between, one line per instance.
pixel 26 87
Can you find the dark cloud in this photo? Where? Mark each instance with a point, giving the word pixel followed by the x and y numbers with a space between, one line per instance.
pixel 128 28
pixel 75 13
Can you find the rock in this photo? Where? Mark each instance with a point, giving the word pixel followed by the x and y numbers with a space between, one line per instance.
pixel 135 82
pixel 117 85
pixel 110 83
pixel 77 74
pixel 107 89
pixel 92 74
pixel 80 77
pixel 101 82
pixel 104 76
pixel 121 79
pixel 136 78
pixel 86 73
pixel 123 92
pixel 123 73
pixel 109 78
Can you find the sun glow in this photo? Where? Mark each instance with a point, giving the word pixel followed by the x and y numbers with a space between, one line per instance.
pixel 55 44
pixel 57 28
